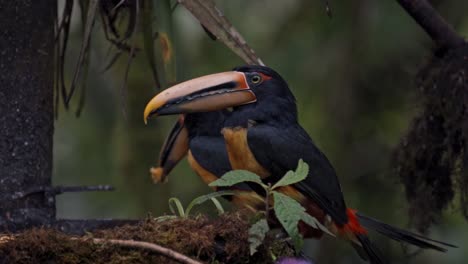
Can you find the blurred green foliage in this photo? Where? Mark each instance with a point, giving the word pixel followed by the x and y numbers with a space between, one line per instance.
pixel 353 77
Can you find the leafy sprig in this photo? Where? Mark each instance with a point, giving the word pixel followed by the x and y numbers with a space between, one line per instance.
pixel 287 210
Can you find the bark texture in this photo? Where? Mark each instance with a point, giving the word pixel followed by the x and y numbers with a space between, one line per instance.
pixel 26 111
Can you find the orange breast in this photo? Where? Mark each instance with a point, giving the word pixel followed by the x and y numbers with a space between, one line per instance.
pixel 245 199
pixel 205 175
pixel 240 156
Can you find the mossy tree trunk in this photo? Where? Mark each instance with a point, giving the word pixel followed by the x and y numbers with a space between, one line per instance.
pixel 26 112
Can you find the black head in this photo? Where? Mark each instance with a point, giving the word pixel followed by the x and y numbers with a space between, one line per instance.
pixel 275 101
pixel 265 82
pixel 206 123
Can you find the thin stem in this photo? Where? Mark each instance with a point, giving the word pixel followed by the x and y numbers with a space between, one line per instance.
pixel 179 257
pixel 267 201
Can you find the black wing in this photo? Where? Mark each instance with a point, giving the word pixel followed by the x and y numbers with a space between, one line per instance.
pixel 210 152
pixel 279 148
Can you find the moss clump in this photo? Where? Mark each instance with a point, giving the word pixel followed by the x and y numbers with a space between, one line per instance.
pixel 220 240
pixel 432 159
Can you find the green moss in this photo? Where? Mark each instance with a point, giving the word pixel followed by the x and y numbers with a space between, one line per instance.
pixel 432 160
pixel 220 240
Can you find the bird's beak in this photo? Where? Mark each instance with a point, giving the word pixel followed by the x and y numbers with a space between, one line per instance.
pixel 174 149
pixel 204 94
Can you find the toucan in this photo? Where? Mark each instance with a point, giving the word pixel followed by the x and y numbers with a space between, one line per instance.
pixel 197 136
pixel 261 134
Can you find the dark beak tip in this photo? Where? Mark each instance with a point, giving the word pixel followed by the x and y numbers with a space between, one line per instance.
pixel 167 110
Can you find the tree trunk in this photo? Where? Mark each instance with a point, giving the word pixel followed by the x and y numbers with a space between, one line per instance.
pixel 26 112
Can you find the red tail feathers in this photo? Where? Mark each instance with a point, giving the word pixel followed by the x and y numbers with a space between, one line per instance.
pixel 353 225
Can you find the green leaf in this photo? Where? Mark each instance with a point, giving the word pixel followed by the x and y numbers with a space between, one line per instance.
pixel 292 177
pixel 178 205
pixel 289 212
pixel 237 176
pixel 201 199
pixel 257 234
pixel 313 222
pixel 218 206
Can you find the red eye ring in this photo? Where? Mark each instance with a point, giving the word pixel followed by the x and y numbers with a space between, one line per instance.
pixel 265 77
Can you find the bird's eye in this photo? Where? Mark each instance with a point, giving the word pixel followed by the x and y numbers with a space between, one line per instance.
pixel 256 79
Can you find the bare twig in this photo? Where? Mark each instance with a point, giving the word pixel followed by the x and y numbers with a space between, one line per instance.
pixel 112 61
pixel 214 21
pixel 112 36
pixel 55 190
pixel 179 257
pixel 66 15
pixel 117 6
pixel 91 14
pixel 123 90
pixel 267 202
pixel 431 21
pixel 62 38
pixel 85 66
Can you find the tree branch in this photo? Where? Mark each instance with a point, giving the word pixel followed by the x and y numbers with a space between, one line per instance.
pixel 430 20
pixel 179 257
pixel 214 21
pixel 56 190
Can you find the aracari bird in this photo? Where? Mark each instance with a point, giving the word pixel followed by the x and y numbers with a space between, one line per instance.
pixel 262 135
pixel 198 136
